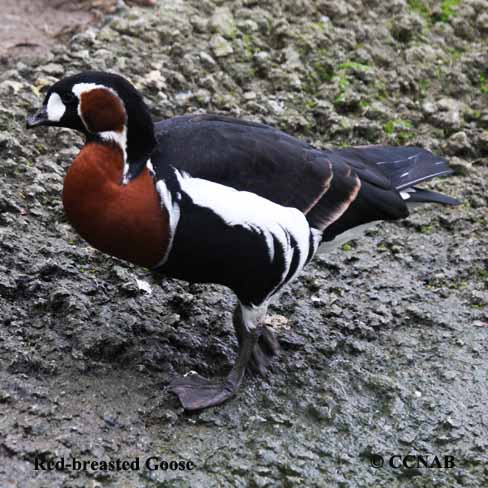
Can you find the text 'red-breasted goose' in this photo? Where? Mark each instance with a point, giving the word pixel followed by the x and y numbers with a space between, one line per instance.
pixel 214 199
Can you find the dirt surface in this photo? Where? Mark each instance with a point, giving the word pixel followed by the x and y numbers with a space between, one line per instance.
pixel 385 348
pixel 30 27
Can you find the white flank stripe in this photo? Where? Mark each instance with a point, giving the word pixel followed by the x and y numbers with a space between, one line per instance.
pixel 255 213
pixel 173 210
pixel 150 167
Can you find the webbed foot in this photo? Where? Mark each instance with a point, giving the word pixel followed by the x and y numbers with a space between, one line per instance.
pixel 257 345
pixel 264 351
pixel 196 392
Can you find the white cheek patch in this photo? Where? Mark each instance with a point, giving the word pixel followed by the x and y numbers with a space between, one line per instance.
pixel 55 108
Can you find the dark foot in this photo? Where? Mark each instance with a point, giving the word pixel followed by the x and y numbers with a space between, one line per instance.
pixel 196 392
pixel 264 351
pixel 257 345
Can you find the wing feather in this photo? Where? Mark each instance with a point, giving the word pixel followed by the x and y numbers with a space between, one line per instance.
pixel 246 156
pixel 336 189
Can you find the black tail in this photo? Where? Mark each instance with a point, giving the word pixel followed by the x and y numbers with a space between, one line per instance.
pixel 382 170
pixel 419 195
pixel 403 166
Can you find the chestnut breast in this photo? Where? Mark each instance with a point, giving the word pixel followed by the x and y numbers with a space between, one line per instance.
pixel 125 221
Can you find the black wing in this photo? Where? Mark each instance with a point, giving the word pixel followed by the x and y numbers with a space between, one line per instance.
pixel 245 155
pixel 336 189
pixel 257 158
pixel 382 170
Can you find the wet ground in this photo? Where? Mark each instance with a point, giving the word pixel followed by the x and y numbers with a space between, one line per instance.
pixel 384 340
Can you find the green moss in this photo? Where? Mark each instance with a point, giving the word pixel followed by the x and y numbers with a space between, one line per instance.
pixel 424 85
pixel 423 8
pixel 472 115
pixel 420 7
pixel 323 70
pixel 346 247
pixel 342 83
pixel 454 53
pixel 483 274
pixel 341 98
pixel 399 129
pixel 319 26
pixel 393 126
pixel 448 9
pixel 426 229
pixel 320 69
pixel 249 48
pixel 483 84
pixel 310 104
pixel 389 127
pixel 342 77
pixel 380 87
pixel 404 136
pixel 352 65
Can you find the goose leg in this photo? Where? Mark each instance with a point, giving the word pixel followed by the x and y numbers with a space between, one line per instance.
pixel 267 346
pixel 197 393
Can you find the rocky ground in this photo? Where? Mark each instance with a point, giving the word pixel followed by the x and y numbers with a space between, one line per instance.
pixel 384 340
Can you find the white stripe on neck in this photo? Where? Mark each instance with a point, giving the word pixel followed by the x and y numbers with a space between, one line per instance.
pixel 119 138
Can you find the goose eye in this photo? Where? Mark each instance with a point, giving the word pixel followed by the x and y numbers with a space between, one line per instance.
pixel 68 98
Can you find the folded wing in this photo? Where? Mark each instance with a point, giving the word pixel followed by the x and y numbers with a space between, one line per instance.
pixel 336 189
